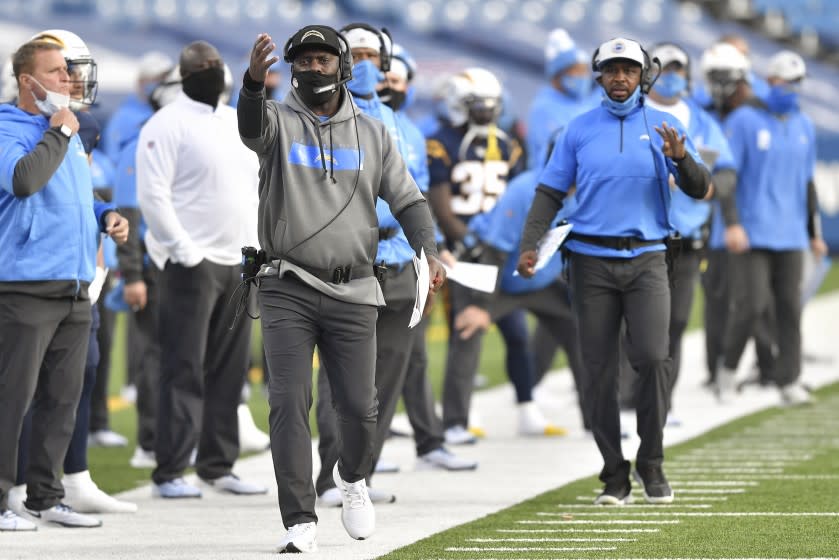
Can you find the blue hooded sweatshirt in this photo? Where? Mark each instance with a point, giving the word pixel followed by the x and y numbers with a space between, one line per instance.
pixel 53 234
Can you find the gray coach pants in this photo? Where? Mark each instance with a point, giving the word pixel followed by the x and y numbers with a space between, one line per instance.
pixel 394 341
pixel 43 346
pixel 605 293
pixel 295 319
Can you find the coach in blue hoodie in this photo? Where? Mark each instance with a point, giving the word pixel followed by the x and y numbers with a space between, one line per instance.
pixel 48 239
pixel 620 165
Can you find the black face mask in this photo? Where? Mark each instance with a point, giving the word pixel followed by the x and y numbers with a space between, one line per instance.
pixel 308 83
pixel 205 86
pixel 392 98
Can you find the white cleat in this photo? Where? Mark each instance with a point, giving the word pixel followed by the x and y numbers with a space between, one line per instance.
pixel 459 435
pixel 386 467
pixel 357 512
pixel 442 458
pixel 106 438
pixel 251 438
pixel 232 484
pixel 143 459
pixel 532 422
pixel 726 384
pixel 17 495
pixel 795 394
pixel 84 496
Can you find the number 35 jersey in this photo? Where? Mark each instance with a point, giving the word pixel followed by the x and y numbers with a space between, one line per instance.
pixel 475 166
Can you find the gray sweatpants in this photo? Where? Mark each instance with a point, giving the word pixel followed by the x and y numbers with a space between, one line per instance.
pixel 43 346
pixel 295 319
pixel 394 342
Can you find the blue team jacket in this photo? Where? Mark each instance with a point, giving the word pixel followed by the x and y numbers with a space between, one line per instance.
pixel 53 234
pixel 687 214
pixel 550 111
pixel 775 159
pixel 621 177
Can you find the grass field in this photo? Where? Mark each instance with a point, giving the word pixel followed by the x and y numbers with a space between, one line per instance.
pixel 110 466
pixel 760 487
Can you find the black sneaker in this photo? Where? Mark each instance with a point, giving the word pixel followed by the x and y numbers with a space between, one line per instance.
pixel 656 488
pixel 615 494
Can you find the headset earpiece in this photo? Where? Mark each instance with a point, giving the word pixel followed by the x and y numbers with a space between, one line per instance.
pixel 384 54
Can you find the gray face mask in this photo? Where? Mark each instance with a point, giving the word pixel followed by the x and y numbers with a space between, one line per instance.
pixel 53 102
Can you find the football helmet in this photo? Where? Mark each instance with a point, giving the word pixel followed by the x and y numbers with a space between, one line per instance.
pixel 80 65
pixel 724 67
pixel 473 97
pixel 787 66
pixel 167 90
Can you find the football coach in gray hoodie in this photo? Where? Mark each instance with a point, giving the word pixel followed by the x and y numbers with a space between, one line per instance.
pixel 322 165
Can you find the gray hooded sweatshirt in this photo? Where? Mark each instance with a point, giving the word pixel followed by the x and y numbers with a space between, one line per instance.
pixel 317 204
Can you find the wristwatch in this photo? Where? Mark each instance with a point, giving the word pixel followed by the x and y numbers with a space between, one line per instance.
pixel 65 130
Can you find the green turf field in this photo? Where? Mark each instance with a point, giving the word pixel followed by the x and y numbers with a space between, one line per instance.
pixel 110 466
pixel 760 487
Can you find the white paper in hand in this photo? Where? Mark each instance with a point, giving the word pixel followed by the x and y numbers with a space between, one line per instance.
pixel 481 277
pixel 549 244
pixel 423 275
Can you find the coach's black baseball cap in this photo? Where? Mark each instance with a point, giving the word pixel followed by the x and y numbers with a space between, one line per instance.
pixel 321 36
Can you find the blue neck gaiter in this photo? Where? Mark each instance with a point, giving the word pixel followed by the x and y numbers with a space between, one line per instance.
pixel 781 99
pixel 622 108
pixel 577 87
pixel 670 85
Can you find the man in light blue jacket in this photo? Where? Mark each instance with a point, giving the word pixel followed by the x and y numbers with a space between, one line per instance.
pixel 48 240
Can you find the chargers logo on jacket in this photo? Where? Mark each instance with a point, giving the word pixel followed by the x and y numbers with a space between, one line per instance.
pixel 341 159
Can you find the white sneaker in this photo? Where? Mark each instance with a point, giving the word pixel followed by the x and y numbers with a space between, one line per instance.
pixel 231 484
pixel 299 538
pixel 379 496
pixel 106 438
pixel 251 438
pixel 442 458
pixel 128 393
pixel 84 496
pixel 10 521
pixel 383 466
pixel 459 435
pixel 17 495
pixel 62 514
pixel 533 423
pixel 143 459
pixel 331 498
pixel 795 394
pixel 357 513
pixel 726 384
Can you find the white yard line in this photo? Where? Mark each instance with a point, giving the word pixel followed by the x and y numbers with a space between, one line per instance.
pixel 615 511
pixel 530 549
pixel 630 506
pixel 549 539
pixel 579 530
pixel 596 522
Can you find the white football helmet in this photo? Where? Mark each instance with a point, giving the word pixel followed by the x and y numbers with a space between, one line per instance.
pixel 788 66
pixel 8 83
pixel 167 90
pixel 80 65
pixel 473 96
pixel 724 67
pixel 224 98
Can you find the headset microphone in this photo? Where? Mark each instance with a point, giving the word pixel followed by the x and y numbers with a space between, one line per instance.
pixel 655 61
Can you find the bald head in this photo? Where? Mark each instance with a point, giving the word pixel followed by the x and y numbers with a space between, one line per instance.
pixel 198 56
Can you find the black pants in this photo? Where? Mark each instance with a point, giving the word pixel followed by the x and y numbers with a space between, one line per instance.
pixel 605 293
pixel 685 275
pixel 766 283
pixel 295 319
pixel 104 340
pixel 43 345
pixel 144 358
pixel 202 370
pixel 394 341
pixel 418 397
